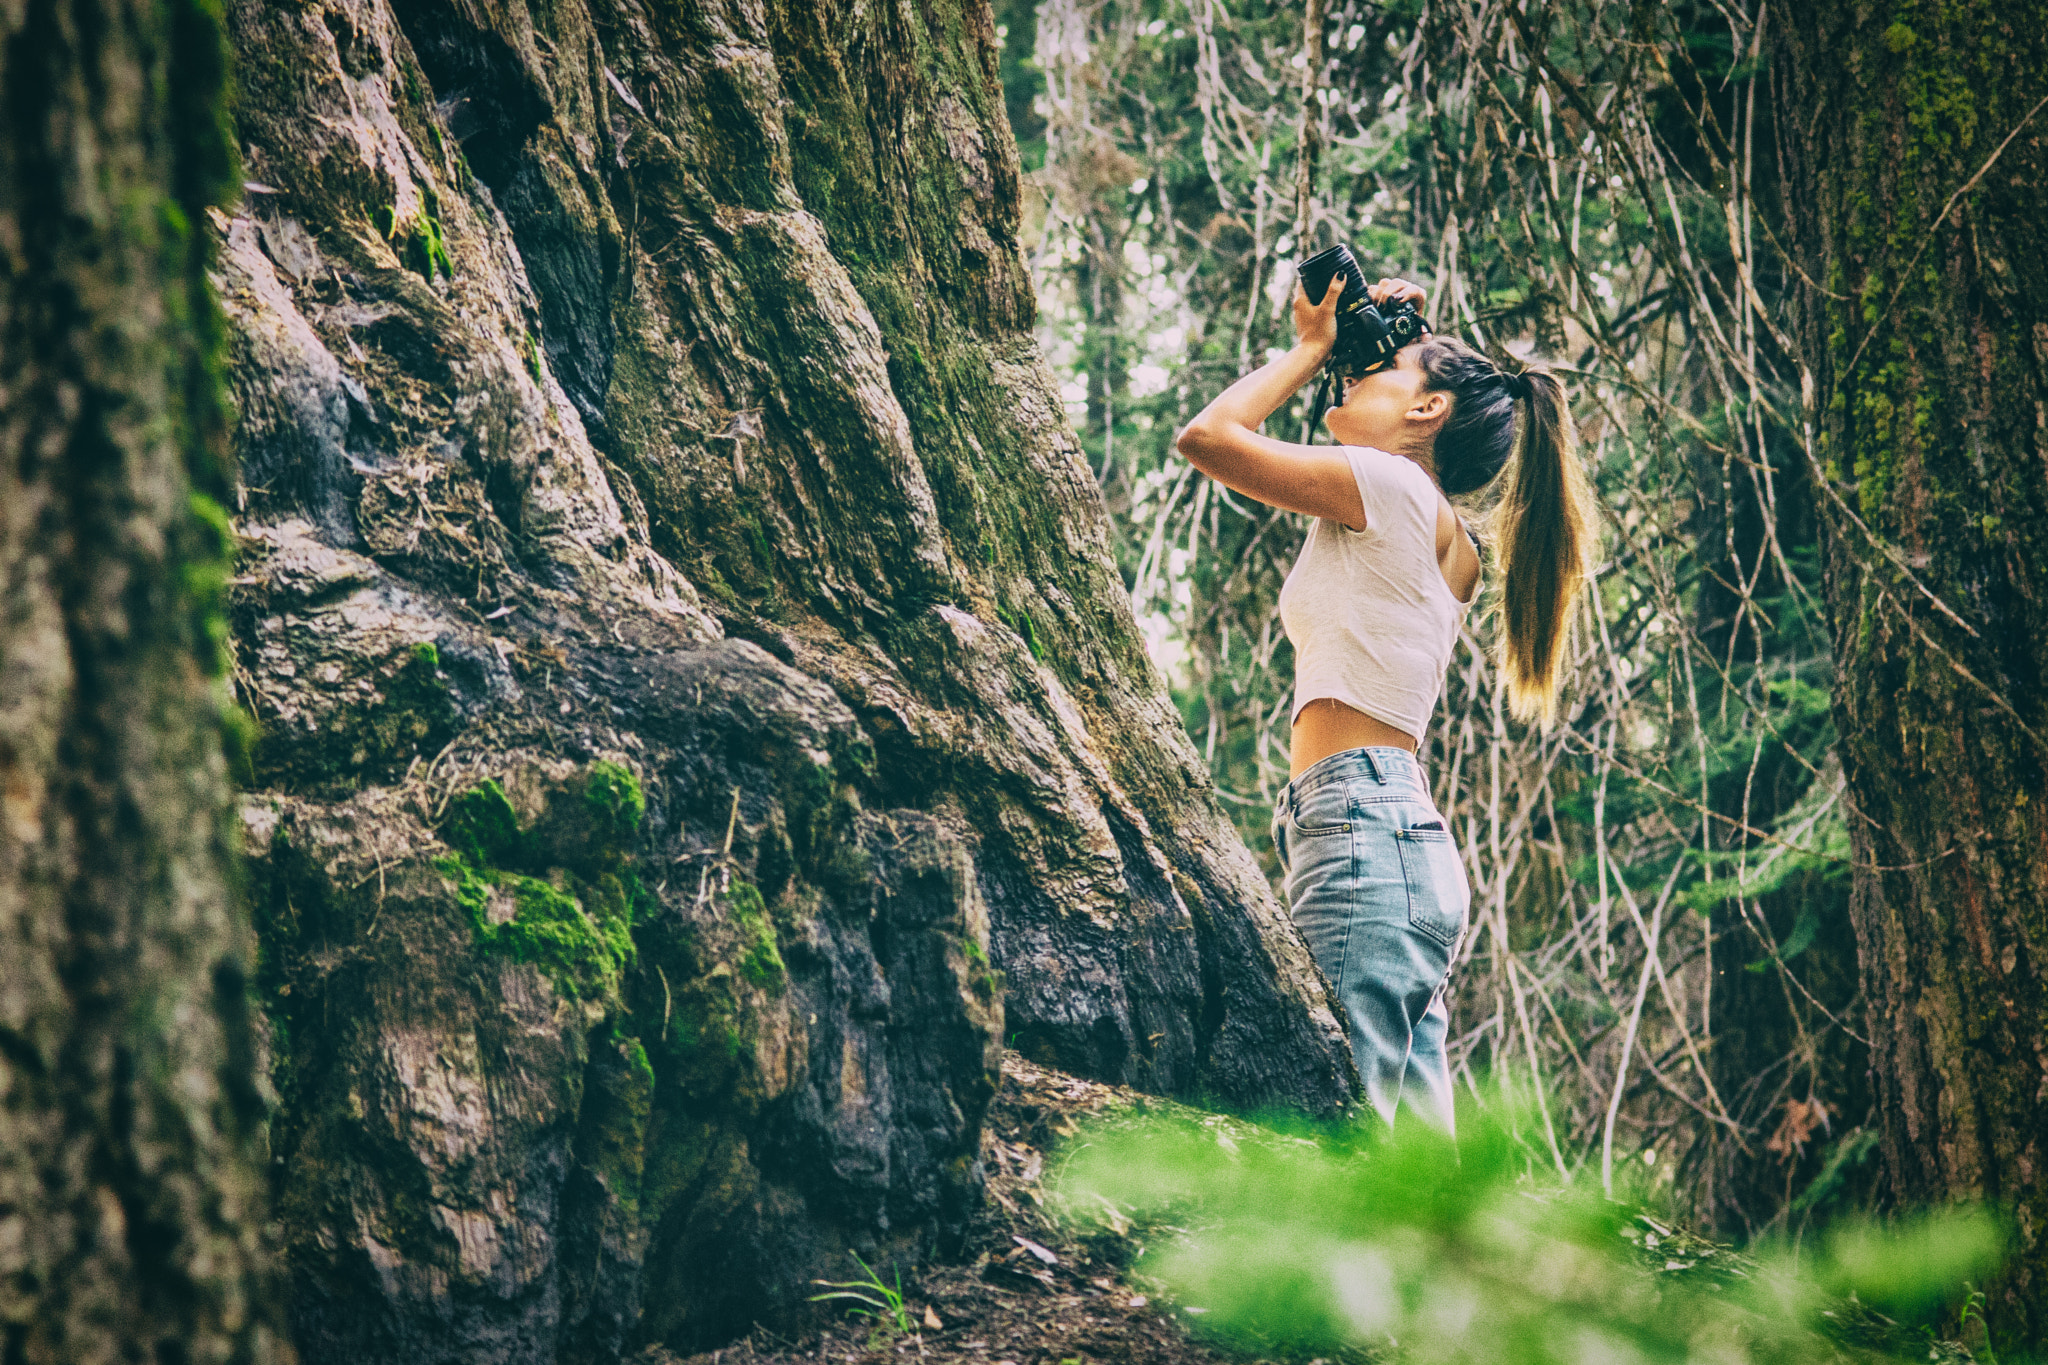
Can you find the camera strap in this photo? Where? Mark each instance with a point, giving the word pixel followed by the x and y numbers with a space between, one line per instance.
pixel 1318 405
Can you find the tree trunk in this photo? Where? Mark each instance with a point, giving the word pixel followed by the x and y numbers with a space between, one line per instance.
pixel 700 716
pixel 1925 331
pixel 129 1102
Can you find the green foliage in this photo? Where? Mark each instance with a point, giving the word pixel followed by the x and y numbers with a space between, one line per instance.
pixel 1432 1250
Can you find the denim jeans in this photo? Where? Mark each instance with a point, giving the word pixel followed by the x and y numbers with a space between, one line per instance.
pixel 1378 892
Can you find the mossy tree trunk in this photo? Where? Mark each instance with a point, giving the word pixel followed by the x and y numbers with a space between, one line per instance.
pixel 640 419
pixel 1926 327
pixel 130 1188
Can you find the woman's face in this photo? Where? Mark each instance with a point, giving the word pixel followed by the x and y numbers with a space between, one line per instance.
pixel 1389 409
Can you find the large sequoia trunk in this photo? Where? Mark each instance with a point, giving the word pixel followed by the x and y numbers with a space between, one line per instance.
pixel 700 717
pixel 1928 340
pixel 130 1186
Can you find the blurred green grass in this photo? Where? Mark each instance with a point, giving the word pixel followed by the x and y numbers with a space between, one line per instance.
pixel 1348 1243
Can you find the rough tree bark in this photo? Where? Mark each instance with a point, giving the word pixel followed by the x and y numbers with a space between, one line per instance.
pixel 130 1190
pixel 691 673
pixel 1925 329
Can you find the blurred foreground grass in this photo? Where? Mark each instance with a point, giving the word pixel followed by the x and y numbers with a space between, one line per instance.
pixel 1417 1248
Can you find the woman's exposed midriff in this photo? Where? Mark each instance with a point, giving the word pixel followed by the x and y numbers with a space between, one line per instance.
pixel 1327 726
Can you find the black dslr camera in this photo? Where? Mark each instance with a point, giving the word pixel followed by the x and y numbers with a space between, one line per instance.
pixel 1367 336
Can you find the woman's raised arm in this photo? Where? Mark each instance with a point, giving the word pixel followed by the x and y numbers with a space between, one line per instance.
pixel 1224 441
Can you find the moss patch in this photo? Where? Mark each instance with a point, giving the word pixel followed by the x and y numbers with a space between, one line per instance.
pixel 618 1100
pixel 575 921
pixel 615 802
pixel 421 242
pixel 482 826
pixel 760 954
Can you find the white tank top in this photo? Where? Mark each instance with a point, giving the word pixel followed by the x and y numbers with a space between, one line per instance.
pixel 1372 621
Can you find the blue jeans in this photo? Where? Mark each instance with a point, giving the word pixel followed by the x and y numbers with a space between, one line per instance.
pixel 1378 892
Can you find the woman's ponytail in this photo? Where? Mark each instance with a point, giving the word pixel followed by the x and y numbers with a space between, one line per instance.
pixel 1543 530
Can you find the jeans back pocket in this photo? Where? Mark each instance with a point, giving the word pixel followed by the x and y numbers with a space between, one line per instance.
pixel 1438 895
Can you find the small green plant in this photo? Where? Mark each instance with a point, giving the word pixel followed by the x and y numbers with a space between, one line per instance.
pixel 1973 1311
pixel 881 1303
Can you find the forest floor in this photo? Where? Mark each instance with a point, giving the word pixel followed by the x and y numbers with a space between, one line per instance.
pixel 1029 1289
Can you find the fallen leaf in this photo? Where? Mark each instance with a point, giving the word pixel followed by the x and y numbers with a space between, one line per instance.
pixel 1035 1249
pixel 931 1319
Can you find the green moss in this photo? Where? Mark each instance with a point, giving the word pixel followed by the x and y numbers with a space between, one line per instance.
pixel 713 582
pixel 1019 622
pixel 988 983
pixel 553 931
pixel 482 826
pixel 421 241
pixel 239 737
pixel 760 954
pixel 615 801
pixel 706 1031
pixel 413 714
pixel 612 1137
pixel 426 249
pixel 203 573
pixel 763 554
pixel 636 1062
pixel 205 172
pixel 529 351
pixel 576 921
pixel 585 955
pixel 679 1150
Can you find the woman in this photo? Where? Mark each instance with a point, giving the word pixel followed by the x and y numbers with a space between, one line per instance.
pixel 1373 607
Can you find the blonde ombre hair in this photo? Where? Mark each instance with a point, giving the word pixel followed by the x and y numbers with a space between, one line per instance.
pixel 1543 525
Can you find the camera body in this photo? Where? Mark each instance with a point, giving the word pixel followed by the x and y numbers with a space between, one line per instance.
pixel 1367 336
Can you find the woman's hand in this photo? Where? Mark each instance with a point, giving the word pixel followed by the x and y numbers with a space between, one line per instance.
pixel 1390 290
pixel 1315 324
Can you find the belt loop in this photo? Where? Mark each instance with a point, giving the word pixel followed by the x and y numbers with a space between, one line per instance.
pixel 1373 764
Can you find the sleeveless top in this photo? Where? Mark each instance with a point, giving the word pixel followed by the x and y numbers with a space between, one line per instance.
pixel 1372 621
